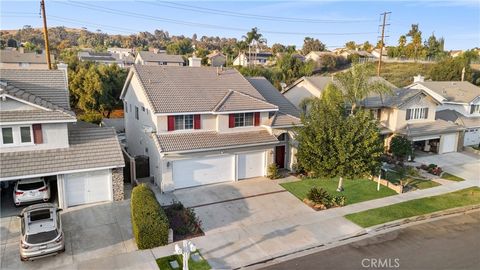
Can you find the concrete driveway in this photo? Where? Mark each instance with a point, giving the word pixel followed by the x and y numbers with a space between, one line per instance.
pixel 463 164
pixel 91 232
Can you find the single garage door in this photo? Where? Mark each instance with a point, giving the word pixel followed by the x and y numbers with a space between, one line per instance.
pixel 87 187
pixel 202 171
pixel 448 143
pixel 251 165
pixel 472 137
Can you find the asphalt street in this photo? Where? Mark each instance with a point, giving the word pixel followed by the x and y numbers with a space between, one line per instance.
pixel 451 243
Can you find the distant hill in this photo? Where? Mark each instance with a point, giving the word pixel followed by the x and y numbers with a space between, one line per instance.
pixel 401 74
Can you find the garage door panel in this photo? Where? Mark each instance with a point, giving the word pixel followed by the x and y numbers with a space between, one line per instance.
pixel 87 187
pixel 251 165
pixel 202 171
pixel 472 137
pixel 448 143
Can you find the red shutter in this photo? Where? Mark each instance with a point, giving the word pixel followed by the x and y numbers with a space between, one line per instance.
pixel 257 119
pixel 171 122
pixel 37 133
pixel 231 120
pixel 196 121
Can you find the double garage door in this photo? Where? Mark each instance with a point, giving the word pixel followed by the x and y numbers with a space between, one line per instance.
pixel 87 187
pixel 216 169
pixel 472 137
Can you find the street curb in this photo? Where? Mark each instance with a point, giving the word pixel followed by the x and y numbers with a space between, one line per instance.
pixel 378 229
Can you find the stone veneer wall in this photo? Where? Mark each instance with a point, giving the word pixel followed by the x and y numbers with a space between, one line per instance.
pixel 117 184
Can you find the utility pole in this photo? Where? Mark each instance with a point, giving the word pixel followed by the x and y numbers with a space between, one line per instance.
pixel 382 37
pixel 45 33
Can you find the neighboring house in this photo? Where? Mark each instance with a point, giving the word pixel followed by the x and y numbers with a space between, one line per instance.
pixel 376 53
pixel 471 136
pixel 125 54
pixel 412 113
pixel 312 86
pixel 217 59
pixel 455 53
pixel 460 96
pixel 253 58
pixel 13 59
pixel 158 59
pixel 105 58
pixel 347 53
pixel 199 125
pixel 317 55
pixel 40 137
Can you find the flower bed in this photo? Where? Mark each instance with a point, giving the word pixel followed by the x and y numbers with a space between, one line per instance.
pixel 183 221
pixel 432 169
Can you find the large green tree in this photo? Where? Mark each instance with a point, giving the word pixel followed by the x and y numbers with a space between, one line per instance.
pixel 312 44
pixel 333 143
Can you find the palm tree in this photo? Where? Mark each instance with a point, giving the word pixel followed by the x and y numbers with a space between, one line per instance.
pixel 402 41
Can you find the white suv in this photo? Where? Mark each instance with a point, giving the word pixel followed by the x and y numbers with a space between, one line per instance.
pixel 31 190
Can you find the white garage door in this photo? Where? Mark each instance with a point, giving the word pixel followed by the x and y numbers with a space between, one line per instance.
pixel 472 137
pixel 448 143
pixel 87 187
pixel 251 165
pixel 201 171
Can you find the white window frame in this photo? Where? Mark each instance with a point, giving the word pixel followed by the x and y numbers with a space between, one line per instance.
pixel 1 137
pixel 20 135
pixel 184 122
pixel 17 136
pixel 476 108
pixel 244 118
pixel 418 113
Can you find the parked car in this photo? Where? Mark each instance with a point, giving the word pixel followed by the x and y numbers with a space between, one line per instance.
pixel 31 190
pixel 41 231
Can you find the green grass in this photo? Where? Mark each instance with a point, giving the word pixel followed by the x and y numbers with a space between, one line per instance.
pixel 452 177
pixel 464 197
pixel 164 263
pixel 357 190
pixel 401 74
pixel 395 178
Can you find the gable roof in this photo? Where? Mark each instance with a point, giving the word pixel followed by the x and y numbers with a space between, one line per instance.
pixel 12 56
pixel 237 101
pixel 399 97
pixel 160 57
pixel 456 117
pixel 175 89
pixel 453 91
pixel 430 128
pixel 48 85
pixel 215 54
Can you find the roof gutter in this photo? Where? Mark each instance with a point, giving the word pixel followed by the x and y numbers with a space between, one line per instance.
pixel 215 113
pixel 219 148
pixel 57 173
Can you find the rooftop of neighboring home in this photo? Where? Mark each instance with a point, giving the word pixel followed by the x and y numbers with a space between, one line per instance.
pixel 215 54
pixel 257 55
pixel 14 56
pixel 97 56
pixel 287 114
pixel 160 57
pixel 456 117
pixel 397 98
pixel 438 126
pixel 175 89
pixel 452 91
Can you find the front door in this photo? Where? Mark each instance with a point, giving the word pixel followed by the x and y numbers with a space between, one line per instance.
pixel 280 156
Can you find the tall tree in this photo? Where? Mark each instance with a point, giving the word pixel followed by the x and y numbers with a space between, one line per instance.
pixel 312 44
pixel 334 144
pixel 254 35
pixel 351 45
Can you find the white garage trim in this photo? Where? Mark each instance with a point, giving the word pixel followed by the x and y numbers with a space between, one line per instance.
pixel 424 138
pixel 87 187
pixel 53 173
pixel 250 164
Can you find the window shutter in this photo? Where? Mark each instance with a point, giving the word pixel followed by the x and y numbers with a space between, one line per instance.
pixel 171 122
pixel 37 133
pixel 257 119
pixel 407 116
pixel 426 113
pixel 472 109
pixel 231 120
pixel 196 121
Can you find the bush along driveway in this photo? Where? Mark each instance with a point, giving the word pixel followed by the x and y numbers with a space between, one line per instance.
pixel 464 197
pixel 357 190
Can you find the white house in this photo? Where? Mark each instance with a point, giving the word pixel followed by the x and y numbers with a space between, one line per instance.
pixel 253 58
pixel 40 137
pixel 19 59
pixel 204 125
pixel 158 59
pixel 217 59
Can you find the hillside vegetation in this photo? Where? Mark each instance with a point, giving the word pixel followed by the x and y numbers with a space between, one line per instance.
pixel 401 74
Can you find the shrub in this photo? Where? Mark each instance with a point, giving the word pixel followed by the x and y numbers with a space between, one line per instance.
pixel 400 147
pixel 149 222
pixel 94 118
pixel 182 220
pixel 318 195
pixel 273 171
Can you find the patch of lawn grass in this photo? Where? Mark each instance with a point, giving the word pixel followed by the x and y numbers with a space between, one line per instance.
pixel 422 184
pixel 357 190
pixel 451 177
pixel 464 197
pixel 164 263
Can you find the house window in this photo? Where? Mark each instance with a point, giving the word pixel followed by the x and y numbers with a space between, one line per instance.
pixel 26 134
pixel 7 135
pixel 416 113
pixel 143 108
pixel 126 107
pixel 475 109
pixel 136 112
pixel 183 122
pixel 243 119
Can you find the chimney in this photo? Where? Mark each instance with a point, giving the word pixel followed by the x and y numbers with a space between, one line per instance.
pixel 463 74
pixel 418 78
pixel 64 68
pixel 194 61
pixel 155 50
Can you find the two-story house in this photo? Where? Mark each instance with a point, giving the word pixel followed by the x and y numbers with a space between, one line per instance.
pixel 217 59
pixel 459 103
pixel 204 125
pixel 412 113
pixel 13 59
pixel 253 58
pixel 40 138
pixel 158 59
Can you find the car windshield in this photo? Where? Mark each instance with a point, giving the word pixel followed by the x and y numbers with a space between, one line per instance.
pixel 31 186
pixel 41 237
pixel 40 214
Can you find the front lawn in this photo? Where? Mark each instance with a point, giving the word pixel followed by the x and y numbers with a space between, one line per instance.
pixel 357 190
pixel 451 177
pixel 464 197
pixel 408 182
pixel 164 263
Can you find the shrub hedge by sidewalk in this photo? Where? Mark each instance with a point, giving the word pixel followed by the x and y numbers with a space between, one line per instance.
pixel 464 197
pixel 149 222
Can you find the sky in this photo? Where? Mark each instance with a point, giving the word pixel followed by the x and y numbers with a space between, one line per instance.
pixel 287 22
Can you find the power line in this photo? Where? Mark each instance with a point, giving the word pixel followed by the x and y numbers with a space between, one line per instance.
pixel 90 6
pixel 246 15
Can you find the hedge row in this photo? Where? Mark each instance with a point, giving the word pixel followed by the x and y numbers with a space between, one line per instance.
pixel 149 222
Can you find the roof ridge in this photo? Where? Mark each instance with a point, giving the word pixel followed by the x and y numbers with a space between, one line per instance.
pixel 222 101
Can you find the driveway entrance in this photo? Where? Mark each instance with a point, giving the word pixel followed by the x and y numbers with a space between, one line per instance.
pixel 463 164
